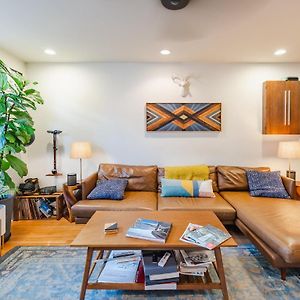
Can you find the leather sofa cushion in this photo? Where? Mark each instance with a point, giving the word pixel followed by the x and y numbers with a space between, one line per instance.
pixel 223 210
pixel 273 220
pixel 232 178
pixel 140 178
pixel 132 201
pixel 212 175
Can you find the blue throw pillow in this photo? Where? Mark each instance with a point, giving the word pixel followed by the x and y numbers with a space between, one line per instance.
pixel 266 184
pixel 109 189
pixel 186 188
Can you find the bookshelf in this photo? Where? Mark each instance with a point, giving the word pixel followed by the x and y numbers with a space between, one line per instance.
pixel 27 207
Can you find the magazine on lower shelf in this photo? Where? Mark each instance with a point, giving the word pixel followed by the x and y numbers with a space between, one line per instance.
pixel 122 269
pixel 194 263
pixel 204 236
pixel 156 231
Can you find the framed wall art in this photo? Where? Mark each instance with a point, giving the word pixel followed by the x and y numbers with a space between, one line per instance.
pixel 183 116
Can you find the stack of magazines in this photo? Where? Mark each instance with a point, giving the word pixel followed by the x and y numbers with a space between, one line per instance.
pixel 194 263
pixel 150 230
pixel 207 236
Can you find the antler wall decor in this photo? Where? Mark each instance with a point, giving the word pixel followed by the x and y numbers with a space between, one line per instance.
pixel 184 83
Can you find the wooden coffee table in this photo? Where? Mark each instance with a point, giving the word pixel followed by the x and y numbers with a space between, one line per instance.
pixel 92 236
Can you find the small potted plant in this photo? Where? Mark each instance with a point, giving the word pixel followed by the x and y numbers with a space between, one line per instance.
pixel 17 98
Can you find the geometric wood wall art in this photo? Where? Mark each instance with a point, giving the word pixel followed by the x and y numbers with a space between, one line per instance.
pixel 183 116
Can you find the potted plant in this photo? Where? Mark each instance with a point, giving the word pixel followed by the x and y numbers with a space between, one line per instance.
pixel 17 98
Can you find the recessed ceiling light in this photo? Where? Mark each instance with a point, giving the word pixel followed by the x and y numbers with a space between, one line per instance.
pixel 165 52
pixel 49 51
pixel 280 52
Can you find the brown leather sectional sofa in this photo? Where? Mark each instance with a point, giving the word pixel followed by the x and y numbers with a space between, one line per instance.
pixel 272 224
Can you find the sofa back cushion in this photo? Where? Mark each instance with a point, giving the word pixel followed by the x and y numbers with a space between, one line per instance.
pixel 140 178
pixel 212 175
pixel 231 178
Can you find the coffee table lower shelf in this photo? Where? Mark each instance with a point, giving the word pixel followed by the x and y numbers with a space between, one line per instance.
pixel 185 282
pixel 141 287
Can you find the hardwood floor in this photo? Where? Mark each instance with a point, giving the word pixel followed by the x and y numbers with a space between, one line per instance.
pixel 60 233
pixel 42 233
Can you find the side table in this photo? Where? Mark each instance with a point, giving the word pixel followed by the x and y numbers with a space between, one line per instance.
pixel 2 225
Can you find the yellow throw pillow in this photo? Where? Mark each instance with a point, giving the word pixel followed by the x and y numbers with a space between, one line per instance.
pixel 197 172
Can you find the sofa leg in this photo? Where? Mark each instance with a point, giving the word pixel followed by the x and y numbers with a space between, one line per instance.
pixel 283 273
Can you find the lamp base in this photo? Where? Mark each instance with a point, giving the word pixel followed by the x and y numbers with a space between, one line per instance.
pixel 291 174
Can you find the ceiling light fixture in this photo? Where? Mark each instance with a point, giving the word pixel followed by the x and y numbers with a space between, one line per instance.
pixel 165 52
pixel 49 51
pixel 280 52
pixel 175 4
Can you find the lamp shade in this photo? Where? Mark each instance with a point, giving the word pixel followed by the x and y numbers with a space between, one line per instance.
pixel 289 150
pixel 81 150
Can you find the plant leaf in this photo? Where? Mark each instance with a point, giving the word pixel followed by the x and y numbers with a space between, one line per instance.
pixel 5 165
pixel 17 164
pixel 10 137
pixel 8 181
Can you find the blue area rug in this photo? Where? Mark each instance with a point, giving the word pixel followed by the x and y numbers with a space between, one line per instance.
pixel 56 273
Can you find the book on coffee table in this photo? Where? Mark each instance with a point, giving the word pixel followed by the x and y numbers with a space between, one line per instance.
pixel 206 236
pixel 155 231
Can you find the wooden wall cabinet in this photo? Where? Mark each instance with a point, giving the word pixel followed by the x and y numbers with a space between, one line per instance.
pixel 281 107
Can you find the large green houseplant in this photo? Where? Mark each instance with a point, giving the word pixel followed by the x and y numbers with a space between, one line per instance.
pixel 17 98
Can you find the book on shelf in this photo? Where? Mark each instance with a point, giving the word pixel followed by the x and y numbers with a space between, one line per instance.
pixel 158 277
pixel 151 267
pixel 207 236
pixel 120 269
pixel 161 286
pixel 140 275
pixel 156 231
pixel 33 209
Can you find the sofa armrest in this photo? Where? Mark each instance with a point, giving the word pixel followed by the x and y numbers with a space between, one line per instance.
pixel 290 186
pixel 89 184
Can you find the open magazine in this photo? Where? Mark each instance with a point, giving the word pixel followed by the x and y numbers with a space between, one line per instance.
pixel 150 230
pixel 207 236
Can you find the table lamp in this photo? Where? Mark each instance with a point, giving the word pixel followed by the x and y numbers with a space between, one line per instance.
pixel 289 150
pixel 81 150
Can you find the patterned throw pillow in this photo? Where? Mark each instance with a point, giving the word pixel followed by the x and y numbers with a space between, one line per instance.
pixel 186 188
pixel 266 184
pixel 109 189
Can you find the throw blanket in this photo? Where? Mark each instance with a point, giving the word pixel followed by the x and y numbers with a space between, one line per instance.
pixel 200 172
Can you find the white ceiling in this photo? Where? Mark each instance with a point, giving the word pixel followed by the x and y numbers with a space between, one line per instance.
pixel 136 30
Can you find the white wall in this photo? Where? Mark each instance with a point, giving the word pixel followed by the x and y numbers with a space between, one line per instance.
pixel 12 61
pixel 104 103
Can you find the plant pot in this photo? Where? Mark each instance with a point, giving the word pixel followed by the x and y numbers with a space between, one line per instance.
pixel 9 203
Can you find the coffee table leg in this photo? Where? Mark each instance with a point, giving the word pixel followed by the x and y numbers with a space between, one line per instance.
pixel 86 273
pixel 221 272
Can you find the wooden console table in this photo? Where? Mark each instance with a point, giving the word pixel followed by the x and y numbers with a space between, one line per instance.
pixel 59 201
pixel 93 237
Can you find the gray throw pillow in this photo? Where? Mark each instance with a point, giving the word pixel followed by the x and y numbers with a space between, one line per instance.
pixel 109 189
pixel 266 184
